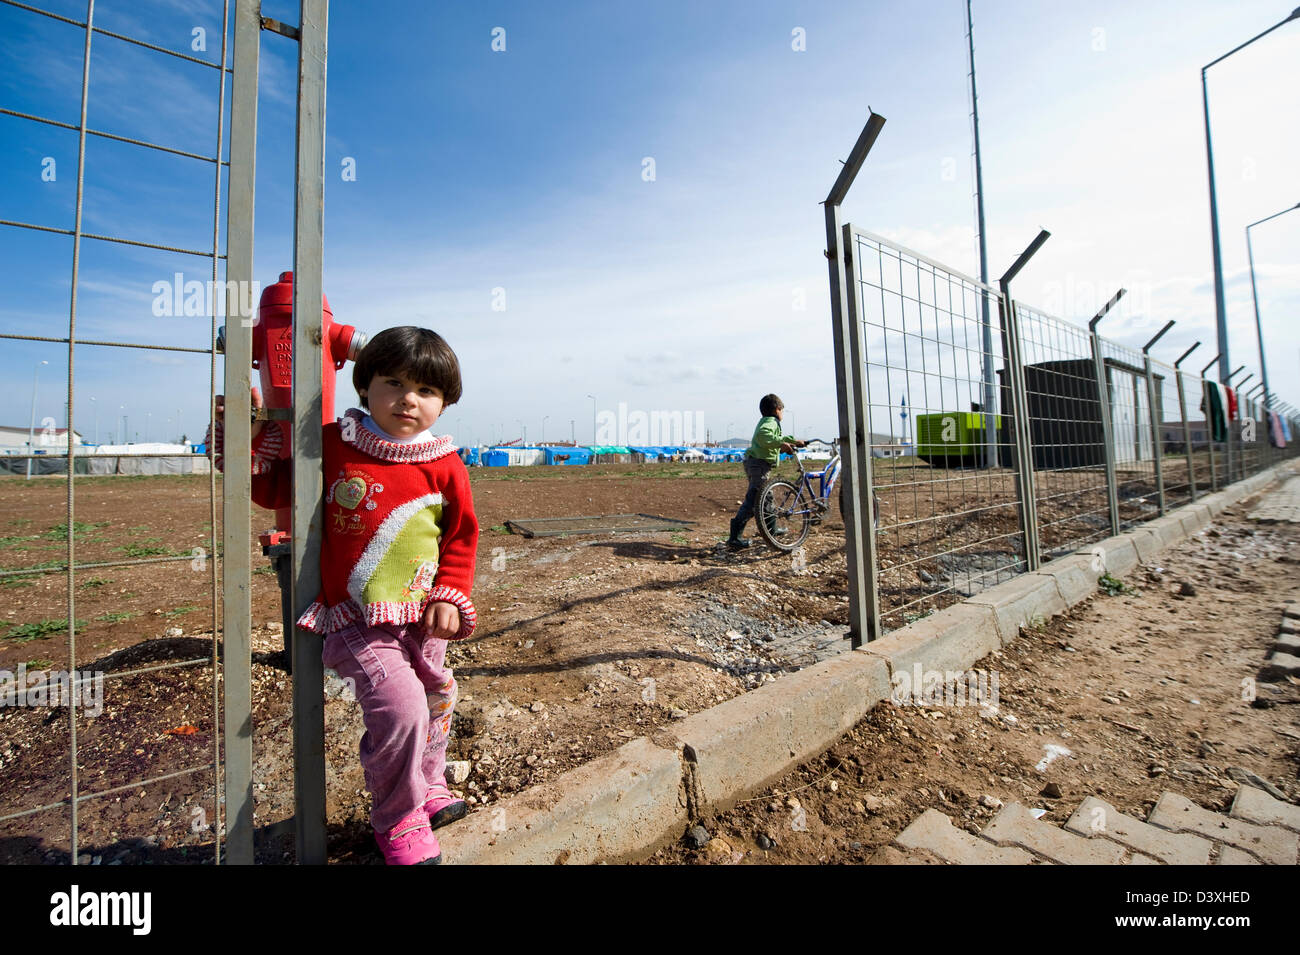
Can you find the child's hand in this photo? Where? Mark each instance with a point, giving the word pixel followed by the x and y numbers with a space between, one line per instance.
pixel 219 402
pixel 441 620
pixel 787 448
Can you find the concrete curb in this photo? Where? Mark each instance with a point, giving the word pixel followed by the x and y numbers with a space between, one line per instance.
pixel 628 803
pixel 613 809
pixel 742 746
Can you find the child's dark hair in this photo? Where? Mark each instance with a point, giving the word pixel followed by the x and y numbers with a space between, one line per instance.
pixel 769 405
pixel 416 353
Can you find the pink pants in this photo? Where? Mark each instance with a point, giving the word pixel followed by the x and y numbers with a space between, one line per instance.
pixel 406 695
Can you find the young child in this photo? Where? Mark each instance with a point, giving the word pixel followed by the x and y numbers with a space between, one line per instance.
pixel 763 454
pixel 397 566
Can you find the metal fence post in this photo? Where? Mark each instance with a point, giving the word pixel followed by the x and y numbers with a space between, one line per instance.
pixel 237 483
pixel 309 231
pixel 1156 416
pixel 855 454
pixel 1014 372
pixel 1105 406
pixel 866 488
pixel 1209 427
pixel 1187 428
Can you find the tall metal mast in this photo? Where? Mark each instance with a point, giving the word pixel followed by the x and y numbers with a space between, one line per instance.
pixel 986 328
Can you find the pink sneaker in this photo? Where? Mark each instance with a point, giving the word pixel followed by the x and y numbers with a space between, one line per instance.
pixel 442 807
pixel 410 842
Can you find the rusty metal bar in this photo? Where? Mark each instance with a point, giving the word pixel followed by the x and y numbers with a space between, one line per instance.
pixel 98 132
pixel 86 341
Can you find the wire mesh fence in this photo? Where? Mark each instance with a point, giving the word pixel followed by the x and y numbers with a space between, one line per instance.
pixel 1065 427
pixel 1131 434
pixel 1256 454
pixel 115 705
pixel 941 448
pixel 962 487
pixel 1174 466
pixel 1189 438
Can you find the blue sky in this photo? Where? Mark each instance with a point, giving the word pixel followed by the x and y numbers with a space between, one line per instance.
pixel 522 170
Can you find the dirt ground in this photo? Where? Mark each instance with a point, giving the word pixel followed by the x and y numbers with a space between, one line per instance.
pixel 584 642
pixel 1149 691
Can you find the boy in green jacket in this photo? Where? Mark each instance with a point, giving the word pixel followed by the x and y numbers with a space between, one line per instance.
pixel 763 454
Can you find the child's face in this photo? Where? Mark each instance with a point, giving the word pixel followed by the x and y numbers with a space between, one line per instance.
pixel 779 413
pixel 401 406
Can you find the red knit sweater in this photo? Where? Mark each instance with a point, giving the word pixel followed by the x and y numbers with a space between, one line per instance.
pixel 400 529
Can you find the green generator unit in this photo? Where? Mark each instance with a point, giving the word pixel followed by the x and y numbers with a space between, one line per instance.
pixel 955 439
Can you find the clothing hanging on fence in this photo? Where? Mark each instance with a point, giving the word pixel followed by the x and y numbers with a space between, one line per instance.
pixel 1214 412
pixel 1232 403
pixel 1275 435
pixel 1286 428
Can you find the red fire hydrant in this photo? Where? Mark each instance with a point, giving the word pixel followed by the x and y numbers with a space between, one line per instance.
pixel 273 358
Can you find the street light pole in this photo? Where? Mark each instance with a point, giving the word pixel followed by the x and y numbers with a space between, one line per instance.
pixel 544 417
pixel 593 418
pixel 1259 332
pixel 1220 310
pixel 31 430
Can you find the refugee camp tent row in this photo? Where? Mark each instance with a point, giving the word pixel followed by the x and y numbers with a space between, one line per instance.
pixel 512 456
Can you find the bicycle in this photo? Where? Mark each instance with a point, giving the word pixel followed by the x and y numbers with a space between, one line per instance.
pixel 800 505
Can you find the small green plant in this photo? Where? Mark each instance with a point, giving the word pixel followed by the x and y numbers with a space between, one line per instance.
pixel 178 611
pixel 265 569
pixel 117 617
pixel 94 582
pixel 59 532
pixel 17 582
pixel 135 550
pixel 1113 586
pixel 499 529
pixel 39 664
pixel 48 565
pixel 41 630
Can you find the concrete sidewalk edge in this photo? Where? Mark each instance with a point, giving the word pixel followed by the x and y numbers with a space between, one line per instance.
pixel 627 804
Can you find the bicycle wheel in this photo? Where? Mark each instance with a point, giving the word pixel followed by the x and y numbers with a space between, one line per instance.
pixel 784 515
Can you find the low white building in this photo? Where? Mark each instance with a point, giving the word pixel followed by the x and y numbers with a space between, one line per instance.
pixel 14 439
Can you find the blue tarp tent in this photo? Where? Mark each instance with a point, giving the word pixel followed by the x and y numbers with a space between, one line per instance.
pixel 495 459
pixel 469 455
pixel 568 455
